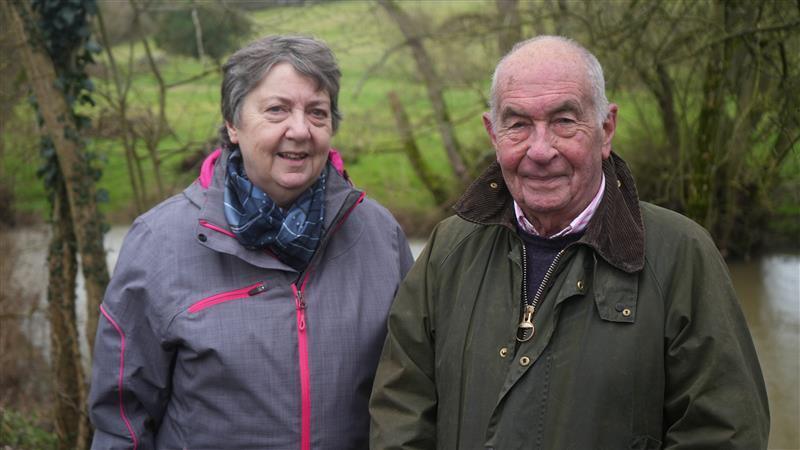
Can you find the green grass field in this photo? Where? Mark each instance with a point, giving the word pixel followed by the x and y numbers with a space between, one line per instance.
pixel 359 33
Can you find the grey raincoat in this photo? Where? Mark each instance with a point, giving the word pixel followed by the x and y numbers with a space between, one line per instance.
pixel 203 344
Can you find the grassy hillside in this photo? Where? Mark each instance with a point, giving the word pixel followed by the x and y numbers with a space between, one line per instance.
pixel 373 63
pixel 358 33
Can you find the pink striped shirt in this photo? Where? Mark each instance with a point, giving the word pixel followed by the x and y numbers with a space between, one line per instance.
pixel 577 225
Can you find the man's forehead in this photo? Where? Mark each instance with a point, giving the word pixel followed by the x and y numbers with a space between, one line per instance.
pixel 542 60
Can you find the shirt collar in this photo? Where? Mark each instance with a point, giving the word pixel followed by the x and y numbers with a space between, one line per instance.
pixel 577 225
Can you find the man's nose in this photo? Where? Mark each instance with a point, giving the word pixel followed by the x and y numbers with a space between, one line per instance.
pixel 298 126
pixel 540 145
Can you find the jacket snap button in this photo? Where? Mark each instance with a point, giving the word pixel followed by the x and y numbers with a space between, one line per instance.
pixel 626 312
pixel 579 285
pixel 493 185
pixel 202 237
pixel 619 184
pixel 503 352
pixel 524 361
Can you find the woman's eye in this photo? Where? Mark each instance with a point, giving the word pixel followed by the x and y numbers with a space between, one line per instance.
pixel 319 113
pixel 275 109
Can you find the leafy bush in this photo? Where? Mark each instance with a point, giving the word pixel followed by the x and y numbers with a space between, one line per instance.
pixel 222 29
pixel 24 433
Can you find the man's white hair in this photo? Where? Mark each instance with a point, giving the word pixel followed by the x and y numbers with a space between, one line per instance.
pixel 594 74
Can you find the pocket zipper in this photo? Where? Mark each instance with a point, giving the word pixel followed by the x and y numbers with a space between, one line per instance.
pixel 216 299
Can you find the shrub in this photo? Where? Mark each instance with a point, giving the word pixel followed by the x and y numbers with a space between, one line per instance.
pixel 222 30
pixel 24 433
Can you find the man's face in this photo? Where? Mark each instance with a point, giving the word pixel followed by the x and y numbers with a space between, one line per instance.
pixel 284 132
pixel 547 139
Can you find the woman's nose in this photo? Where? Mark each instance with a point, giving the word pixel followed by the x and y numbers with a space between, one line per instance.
pixel 297 126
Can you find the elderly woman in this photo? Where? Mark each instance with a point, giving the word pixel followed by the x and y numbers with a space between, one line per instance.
pixel 249 311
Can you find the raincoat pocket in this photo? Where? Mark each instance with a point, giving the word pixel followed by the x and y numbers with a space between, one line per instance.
pixel 223 297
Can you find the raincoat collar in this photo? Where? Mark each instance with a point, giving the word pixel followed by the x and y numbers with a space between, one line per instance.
pixel 615 232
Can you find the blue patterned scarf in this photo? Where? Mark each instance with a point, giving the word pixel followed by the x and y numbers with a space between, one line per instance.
pixel 258 223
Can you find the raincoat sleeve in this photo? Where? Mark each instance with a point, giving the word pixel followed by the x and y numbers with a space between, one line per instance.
pixel 715 395
pixel 131 369
pixel 404 252
pixel 403 402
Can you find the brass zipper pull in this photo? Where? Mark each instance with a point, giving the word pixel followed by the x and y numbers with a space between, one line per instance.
pixel 525 328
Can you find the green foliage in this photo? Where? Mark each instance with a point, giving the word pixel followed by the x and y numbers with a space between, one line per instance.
pixel 24 433
pixel 715 121
pixel 630 38
pixel 221 27
pixel 65 29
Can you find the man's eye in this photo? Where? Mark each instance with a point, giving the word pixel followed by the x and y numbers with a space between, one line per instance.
pixel 564 121
pixel 516 125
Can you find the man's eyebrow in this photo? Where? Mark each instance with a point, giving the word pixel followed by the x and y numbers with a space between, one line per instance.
pixel 570 106
pixel 510 111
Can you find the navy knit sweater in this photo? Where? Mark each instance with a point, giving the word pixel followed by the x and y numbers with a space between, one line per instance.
pixel 541 252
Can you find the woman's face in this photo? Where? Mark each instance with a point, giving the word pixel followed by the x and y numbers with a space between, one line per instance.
pixel 284 132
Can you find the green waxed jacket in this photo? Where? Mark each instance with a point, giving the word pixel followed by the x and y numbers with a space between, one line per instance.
pixel 640 342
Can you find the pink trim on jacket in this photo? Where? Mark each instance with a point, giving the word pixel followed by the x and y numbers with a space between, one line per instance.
pixel 249 291
pixel 336 160
pixel 305 376
pixel 121 372
pixel 207 169
pixel 217 228
pixel 347 214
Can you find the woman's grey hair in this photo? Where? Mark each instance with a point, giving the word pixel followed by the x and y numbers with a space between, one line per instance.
pixel 593 68
pixel 245 69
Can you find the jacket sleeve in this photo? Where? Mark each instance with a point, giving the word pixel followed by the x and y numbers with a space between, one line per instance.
pixel 715 395
pixel 404 251
pixel 131 370
pixel 403 402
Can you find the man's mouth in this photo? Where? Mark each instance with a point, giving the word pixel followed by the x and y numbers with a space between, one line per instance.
pixel 294 156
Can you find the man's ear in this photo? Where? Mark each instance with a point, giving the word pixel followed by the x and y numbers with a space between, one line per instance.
pixel 487 124
pixel 609 128
pixel 232 135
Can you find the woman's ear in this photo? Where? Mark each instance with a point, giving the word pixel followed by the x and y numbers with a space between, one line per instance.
pixel 232 133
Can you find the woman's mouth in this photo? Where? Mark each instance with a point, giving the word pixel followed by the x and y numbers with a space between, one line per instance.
pixel 294 156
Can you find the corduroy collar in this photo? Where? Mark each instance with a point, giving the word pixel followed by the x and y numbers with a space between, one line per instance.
pixel 615 232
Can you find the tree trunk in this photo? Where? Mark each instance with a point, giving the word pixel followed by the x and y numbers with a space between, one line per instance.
pixel 433 86
pixel 428 178
pixel 510 27
pixel 79 183
pixel 121 109
pixel 71 422
pixel 160 127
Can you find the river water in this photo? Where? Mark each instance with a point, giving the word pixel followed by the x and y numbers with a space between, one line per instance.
pixel 768 288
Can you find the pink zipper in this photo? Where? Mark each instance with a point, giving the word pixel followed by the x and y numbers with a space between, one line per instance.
pixel 302 346
pixel 305 378
pixel 216 299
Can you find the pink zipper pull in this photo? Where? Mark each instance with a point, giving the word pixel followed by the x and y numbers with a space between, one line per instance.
pixel 301 308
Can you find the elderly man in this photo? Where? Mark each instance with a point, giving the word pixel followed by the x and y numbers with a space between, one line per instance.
pixel 556 310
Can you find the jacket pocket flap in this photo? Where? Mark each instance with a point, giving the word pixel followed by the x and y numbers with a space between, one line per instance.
pixel 615 293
